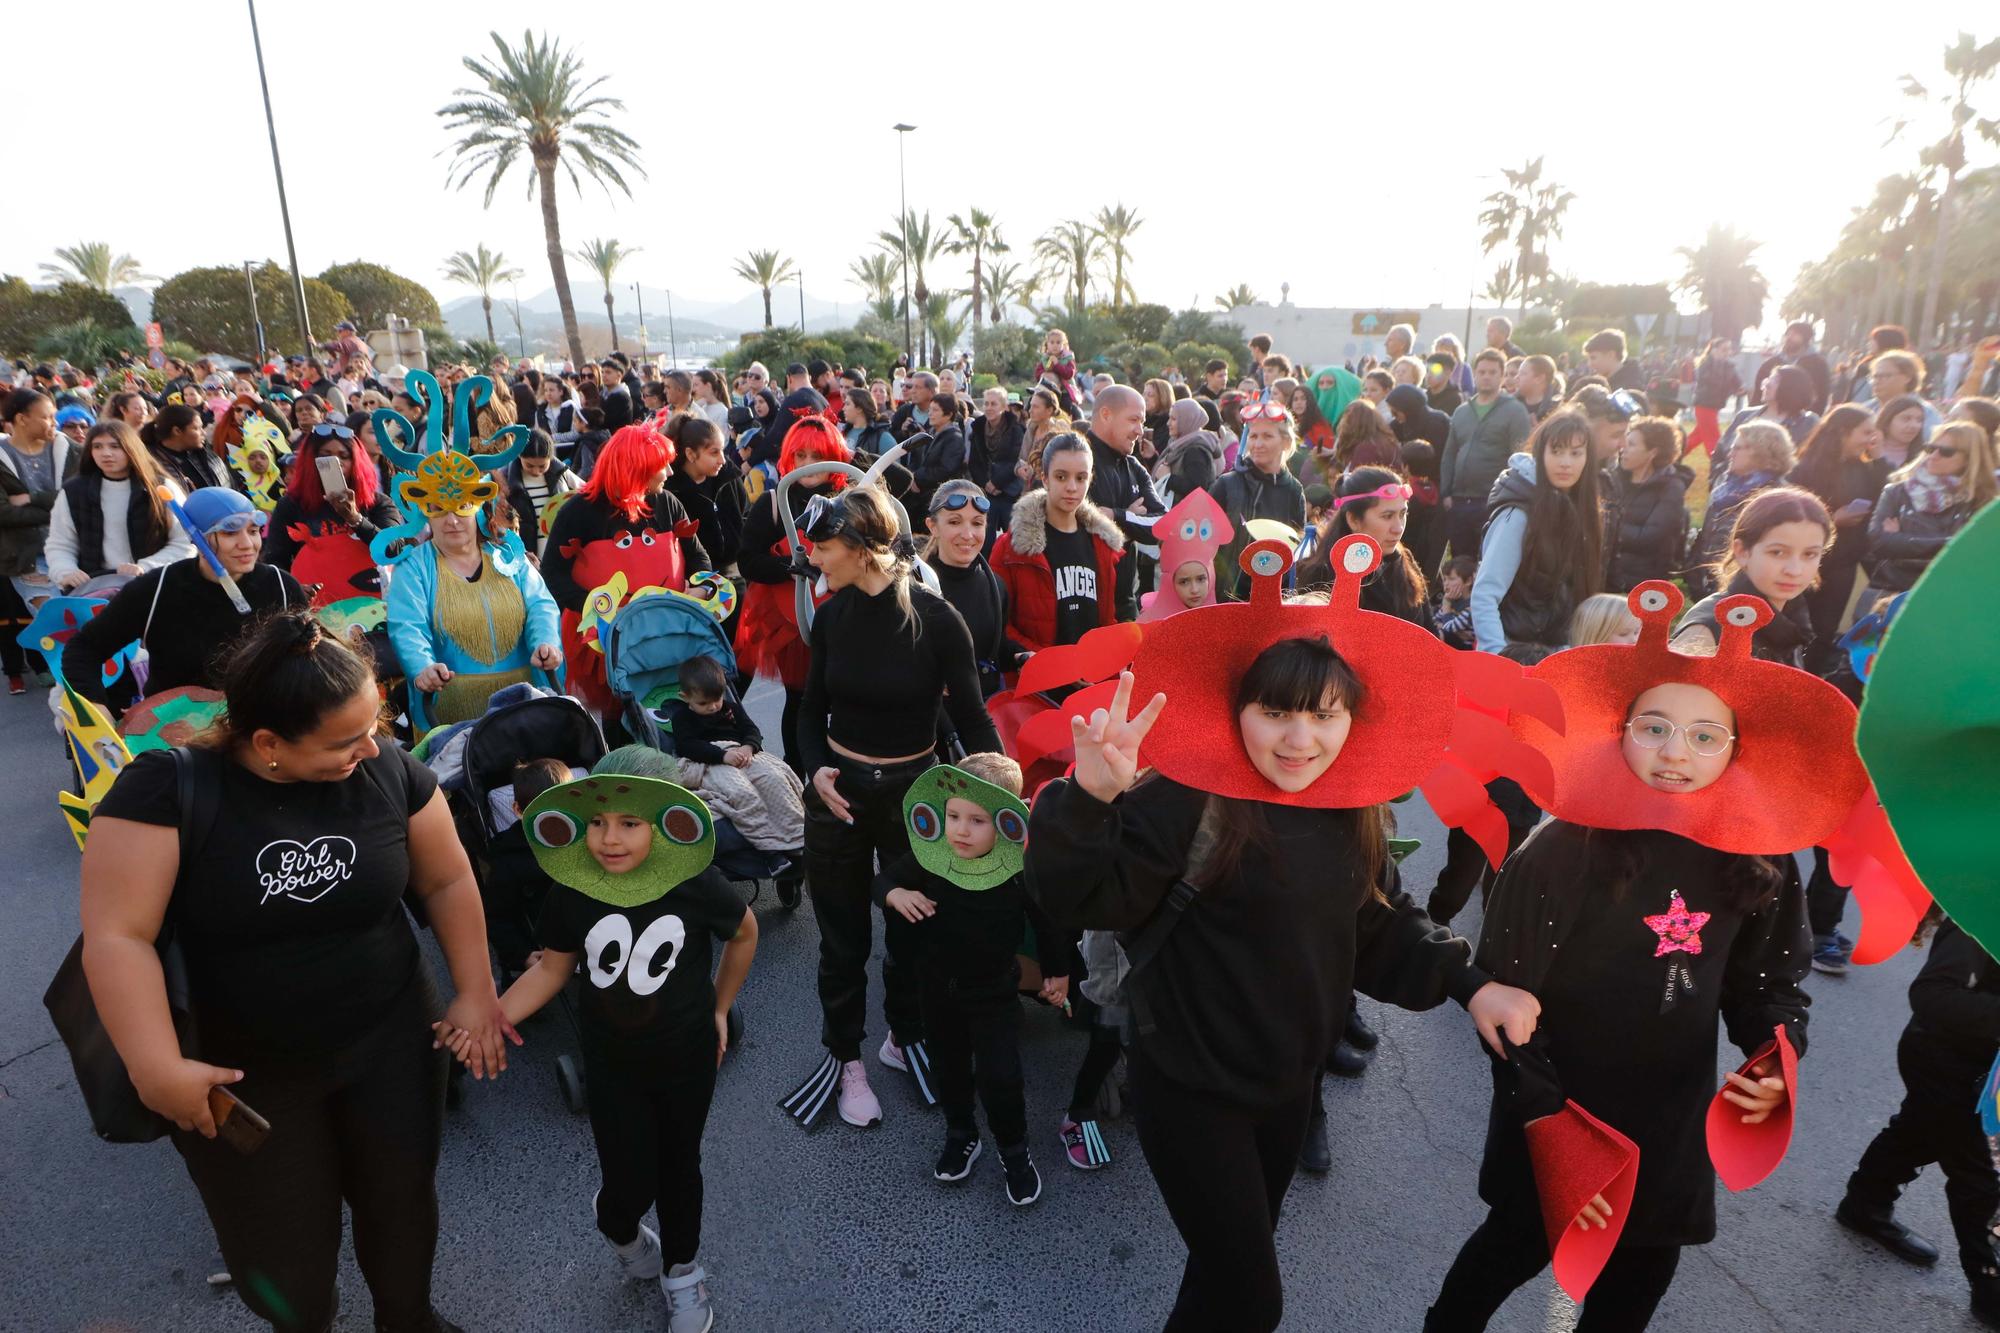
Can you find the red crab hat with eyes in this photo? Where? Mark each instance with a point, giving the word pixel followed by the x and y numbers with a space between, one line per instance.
pixel 1431 717
pixel 1794 780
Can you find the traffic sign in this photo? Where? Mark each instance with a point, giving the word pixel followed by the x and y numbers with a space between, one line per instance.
pixel 1371 322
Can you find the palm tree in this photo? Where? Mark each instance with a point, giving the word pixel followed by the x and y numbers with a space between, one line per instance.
pixel 1002 287
pixel 1069 249
pixel 876 275
pixel 913 238
pixel 1238 295
pixel 979 233
pixel 92 264
pixel 1966 63
pixel 944 329
pixel 1114 227
pixel 605 256
pixel 534 100
pixel 765 269
pixel 1501 285
pixel 1731 286
pixel 1525 215
pixel 484 269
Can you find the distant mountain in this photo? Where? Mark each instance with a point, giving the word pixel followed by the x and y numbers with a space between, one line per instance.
pixel 692 318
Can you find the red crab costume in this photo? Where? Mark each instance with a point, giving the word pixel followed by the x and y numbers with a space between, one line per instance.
pixel 769 641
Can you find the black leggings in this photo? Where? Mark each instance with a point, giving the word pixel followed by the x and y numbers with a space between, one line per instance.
pixel 1098 1062
pixel 840 867
pixel 1508 1250
pixel 1937 1123
pixel 361 1125
pixel 1223 1170
pixel 1826 901
pixel 647 1117
pixel 973 1034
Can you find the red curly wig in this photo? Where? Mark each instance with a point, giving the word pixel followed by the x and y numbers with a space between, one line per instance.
pixel 820 436
pixel 302 485
pixel 624 472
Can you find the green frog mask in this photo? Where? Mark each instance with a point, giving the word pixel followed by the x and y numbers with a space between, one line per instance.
pixel 683 836
pixel 924 813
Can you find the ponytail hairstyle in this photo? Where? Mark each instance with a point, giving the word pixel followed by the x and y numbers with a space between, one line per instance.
pixel 1766 510
pixel 1065 442
pixel 1407 593
pixel 692 432
pixel 624 471
pixel 145 473
pixel 284 676
pixel 872 529
pixel 171 420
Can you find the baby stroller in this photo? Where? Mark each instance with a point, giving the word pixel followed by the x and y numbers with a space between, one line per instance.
pixel 644 646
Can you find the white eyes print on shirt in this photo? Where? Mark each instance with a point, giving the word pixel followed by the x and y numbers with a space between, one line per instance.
pixel 633 961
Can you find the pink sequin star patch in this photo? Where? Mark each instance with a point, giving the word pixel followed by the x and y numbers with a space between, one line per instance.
pixel 1679 929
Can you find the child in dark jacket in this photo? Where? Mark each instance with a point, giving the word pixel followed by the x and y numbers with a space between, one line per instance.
pixel 1950 1044
pixel 1454 613
pixel 741 781
pixel 956 902
pixel 514 884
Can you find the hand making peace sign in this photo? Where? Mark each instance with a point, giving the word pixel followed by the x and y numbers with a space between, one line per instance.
pixel 1107 746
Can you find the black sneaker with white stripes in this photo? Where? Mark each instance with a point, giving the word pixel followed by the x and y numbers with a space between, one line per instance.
pixel 955 1162
pixel 1024 1183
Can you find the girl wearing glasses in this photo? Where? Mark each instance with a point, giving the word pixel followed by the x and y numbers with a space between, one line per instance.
pixel 1059 557
pixel 1926 503
pixel 959 513
pixel 307 510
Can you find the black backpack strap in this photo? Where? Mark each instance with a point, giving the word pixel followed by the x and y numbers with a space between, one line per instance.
pixel 198 786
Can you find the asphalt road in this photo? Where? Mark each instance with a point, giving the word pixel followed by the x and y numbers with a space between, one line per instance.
pixel 844 1229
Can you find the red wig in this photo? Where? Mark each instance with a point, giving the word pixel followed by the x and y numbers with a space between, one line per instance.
pixel 302 485
pixel 822 438
pixel 624 472
pixel 227 434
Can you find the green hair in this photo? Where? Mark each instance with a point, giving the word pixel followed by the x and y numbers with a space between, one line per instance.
pixel 637 761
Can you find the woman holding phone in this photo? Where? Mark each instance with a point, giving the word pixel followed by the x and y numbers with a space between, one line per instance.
pixel 311 998
pixel 333 492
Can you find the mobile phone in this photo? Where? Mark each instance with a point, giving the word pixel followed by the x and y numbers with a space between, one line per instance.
pixel 331 479
pixel 235 1123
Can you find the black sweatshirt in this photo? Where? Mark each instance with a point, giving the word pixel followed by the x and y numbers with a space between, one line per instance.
pixel 1251 990
pixel 1554 927
pixel 703 737
pixel 876 681
pixel 191 626
pixel 1955 1000
pixel 763 536
pixel 975 935
pixel 583 521
pixel 981 601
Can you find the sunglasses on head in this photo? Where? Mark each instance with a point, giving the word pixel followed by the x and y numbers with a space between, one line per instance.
pixel 236 523
pixel 825 518
pixel 1267 412
pixel 327 430
pixel 1395 490
pixel 958 500
pixel 1945 450
pixel 1627 404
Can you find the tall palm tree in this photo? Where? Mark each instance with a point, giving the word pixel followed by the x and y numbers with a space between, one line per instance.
pixel 1238 295
pixel 1966 64
pixel 1002 287
pixel 1500 286
pixel 534 100
pixel 1069 249
pixel 605 256
pixel 484 269
pixel 1721 269
pixel 980 234
pixel 92 264
pixel 876 275
pixel 944 329
pixel 1114 227
pixel 914 238
pixel 1525 215
pixel 765 269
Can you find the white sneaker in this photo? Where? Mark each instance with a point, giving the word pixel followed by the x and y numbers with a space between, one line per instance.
pixel 686 1288
pixel 857 1100
pixel 638 1258
pixel 892 1055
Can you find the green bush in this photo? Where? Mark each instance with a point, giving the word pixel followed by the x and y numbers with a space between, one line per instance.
pixel 1142 322
pixel 375 293
pixel 981 382
pixel 1008 350
pixel 87 344
pixel 777 348
pixel 27 316
pixel 209 308
pixel 1190 357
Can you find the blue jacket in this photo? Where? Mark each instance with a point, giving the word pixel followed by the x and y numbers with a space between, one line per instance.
pixel 420 641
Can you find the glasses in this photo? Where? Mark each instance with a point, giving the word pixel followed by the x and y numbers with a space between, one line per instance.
pixel 1946 450
pixel 326 430
pixel 825 518
pixel 1707 739
pixel 1627 405
pixel 1266 412
pixel 236 523
pixel 958 500
pixel 1395 490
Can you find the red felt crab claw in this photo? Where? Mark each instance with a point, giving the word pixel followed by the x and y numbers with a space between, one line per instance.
pixel 1498 685
pixel 1459 800
pixel 1864 855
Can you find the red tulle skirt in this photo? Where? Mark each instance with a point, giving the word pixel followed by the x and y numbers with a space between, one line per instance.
pixel 767 635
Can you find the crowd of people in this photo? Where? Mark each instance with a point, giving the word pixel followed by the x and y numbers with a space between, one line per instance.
pixel 893 552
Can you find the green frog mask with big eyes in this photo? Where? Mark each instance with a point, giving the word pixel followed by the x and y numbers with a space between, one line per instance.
pixel 924 816
pixel 558 824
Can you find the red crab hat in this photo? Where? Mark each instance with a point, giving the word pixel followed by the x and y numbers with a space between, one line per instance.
pixel 1426 719
pixel 1795 780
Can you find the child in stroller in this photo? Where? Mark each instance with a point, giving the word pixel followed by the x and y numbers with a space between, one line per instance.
pixel 515 883
pixel 723 758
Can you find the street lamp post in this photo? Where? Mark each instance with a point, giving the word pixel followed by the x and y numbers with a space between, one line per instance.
pixel 640 297
pixel 284 209
pixel 802 303
pixel 256 320
pixel 519 332
pixel 673 343
pixel 903 230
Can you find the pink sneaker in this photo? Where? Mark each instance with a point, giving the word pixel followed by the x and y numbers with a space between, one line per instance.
pixel 892 1055
pixel 1084 1145
pixel 857 1100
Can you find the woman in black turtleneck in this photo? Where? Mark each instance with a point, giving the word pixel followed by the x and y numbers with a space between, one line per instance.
pixel 957 523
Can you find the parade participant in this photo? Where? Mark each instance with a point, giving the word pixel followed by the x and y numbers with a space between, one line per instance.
pixel 623 521
pixel 1603 618
pixel 1189 535
pixel 887 653
pixel 709 487
pixel 1924 505
pixel 1715 383
pixel 769 641
pixel 1645 505
pixel 1669 772
pixel 957 523
pixel 956 899
pixel 179 614
pixel 1374 502
pixel 310 996
pixel 1059 557
pixel 1243 958
pixel 1776 548
pixel 1760 460
pixel 323 536
pixel 1541 551
pixel 1841 464
pixel 110 518
pixel 1263 487
pixel 638 901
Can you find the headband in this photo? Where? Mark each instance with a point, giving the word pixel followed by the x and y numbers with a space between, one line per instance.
pixel 1395 490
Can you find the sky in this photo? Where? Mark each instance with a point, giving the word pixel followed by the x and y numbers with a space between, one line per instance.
pixel 1344 151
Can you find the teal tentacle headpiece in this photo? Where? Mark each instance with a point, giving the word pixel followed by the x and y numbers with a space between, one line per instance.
pixel 449 477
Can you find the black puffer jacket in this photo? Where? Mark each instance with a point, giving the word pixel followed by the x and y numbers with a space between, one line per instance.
pixel 1536 610
pixel 1645 526
pixel 1895 560
pixel 1784 640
